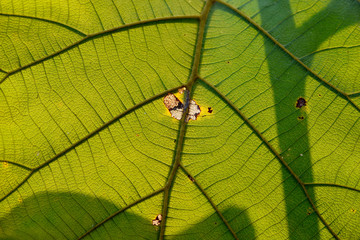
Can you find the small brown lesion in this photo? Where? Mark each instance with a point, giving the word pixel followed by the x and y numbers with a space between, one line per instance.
pixel 157 220
pixel 309 211
pixel 301 102
pixel 182 90
pixel 210 110
pixel 191 178
pixel 301 117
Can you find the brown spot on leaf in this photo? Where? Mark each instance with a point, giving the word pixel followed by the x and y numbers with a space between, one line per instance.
pixel 191 178
pixel 157 220
pixel 172 102
pixel 182 90
pixel 301 102
pixel 309 211
pixel 210 110
pixel 301 117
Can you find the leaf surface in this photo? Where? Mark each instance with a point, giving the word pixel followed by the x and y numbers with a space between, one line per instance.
pixel 90 151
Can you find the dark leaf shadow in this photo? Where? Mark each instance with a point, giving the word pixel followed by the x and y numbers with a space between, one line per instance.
pixel 69 216
pixel 207 229
pixel 239 218
pixel 297 154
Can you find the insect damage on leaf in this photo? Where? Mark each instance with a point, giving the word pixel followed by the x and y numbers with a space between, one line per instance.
pixel 157 220
pixel 194 111
pixel 301 102
pixel 173 104
pixel 176 107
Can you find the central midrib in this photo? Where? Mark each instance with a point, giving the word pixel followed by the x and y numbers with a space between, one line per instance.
pixel 183 124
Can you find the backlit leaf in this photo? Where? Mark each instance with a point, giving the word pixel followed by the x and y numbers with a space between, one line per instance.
pixel 93 148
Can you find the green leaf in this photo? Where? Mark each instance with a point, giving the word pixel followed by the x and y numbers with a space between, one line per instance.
pixel 89 150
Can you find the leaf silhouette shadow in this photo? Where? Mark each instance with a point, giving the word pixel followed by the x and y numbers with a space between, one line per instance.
pixel 299 158
pixel 41 216
pixel 208 228
pixel 68 215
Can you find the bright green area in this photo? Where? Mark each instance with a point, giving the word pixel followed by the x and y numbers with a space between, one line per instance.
pixel 89 151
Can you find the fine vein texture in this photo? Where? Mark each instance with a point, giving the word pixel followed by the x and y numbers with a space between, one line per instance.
pixel 88 149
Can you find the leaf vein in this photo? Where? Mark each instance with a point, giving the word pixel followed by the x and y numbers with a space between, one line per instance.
pixel 273 151
pixel 95 35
